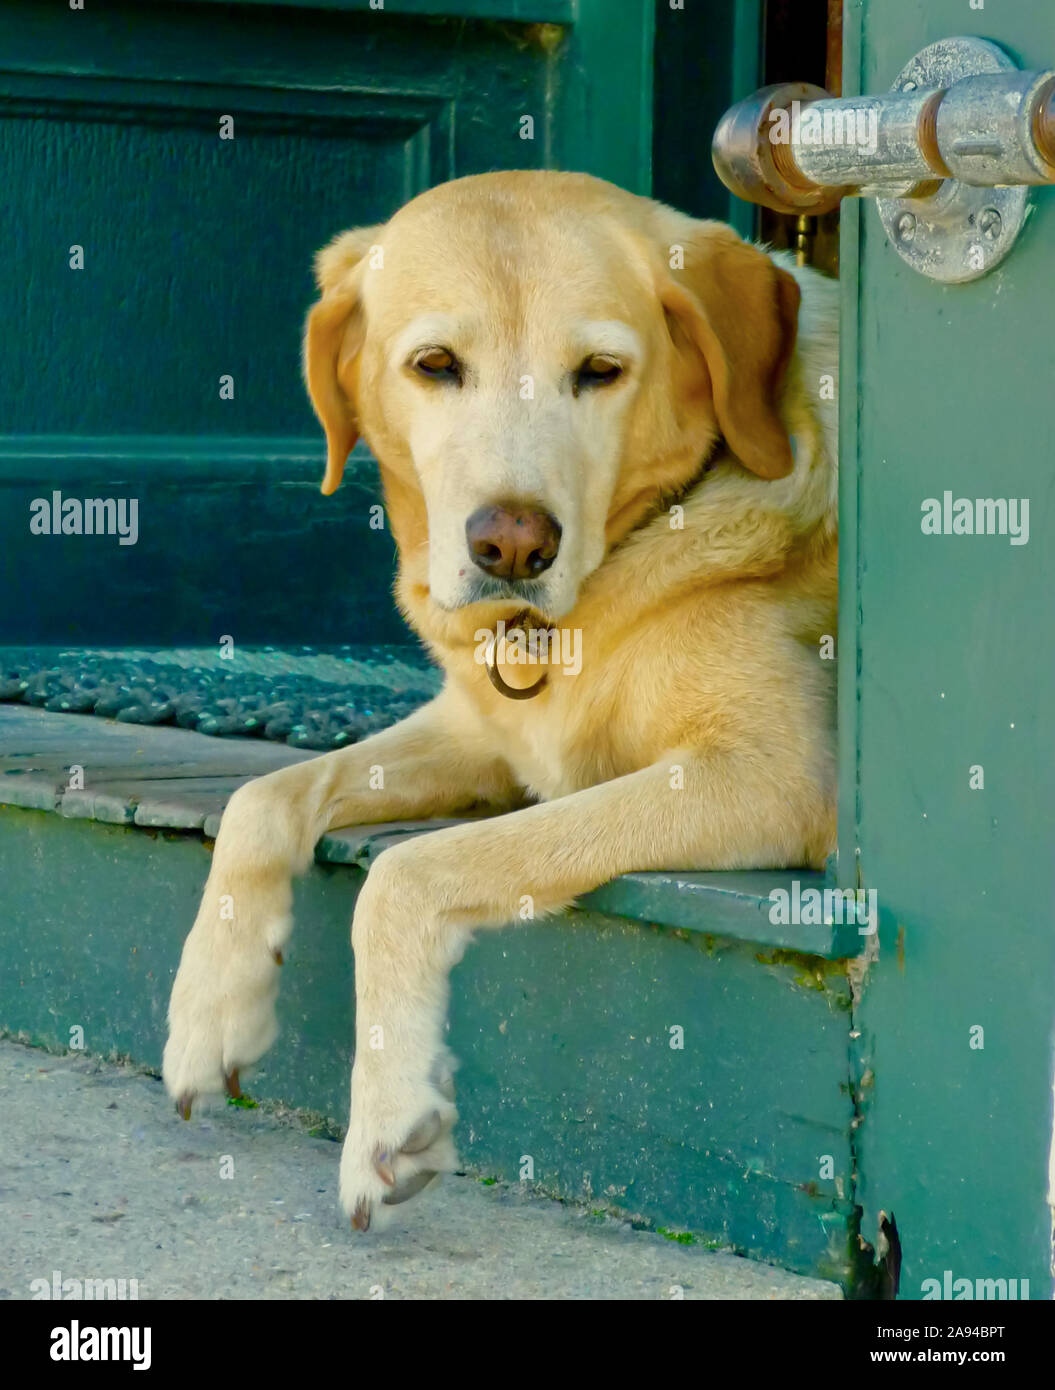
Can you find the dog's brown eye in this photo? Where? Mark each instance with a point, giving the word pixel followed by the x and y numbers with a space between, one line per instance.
pixel 437 362
pixel 597 370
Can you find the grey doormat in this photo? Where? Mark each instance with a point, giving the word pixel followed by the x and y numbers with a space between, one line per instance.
pixel 308 697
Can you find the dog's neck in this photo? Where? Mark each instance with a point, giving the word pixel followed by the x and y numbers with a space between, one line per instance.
pixel 675 497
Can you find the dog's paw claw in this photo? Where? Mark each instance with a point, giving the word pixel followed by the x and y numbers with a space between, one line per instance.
pixel 383 1169
pixel 361 1216
pixel 378 1173
pixel 183 1107
pixel 410 1187
pixel 221 1020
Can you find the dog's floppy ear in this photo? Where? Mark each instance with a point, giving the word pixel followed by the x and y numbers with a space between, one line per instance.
pixel 739 310
pixel 333 337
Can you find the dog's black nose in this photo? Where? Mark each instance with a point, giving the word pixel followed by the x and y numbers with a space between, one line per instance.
pixel 512 542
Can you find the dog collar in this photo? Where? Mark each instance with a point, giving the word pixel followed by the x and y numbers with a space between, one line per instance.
pixel 510 691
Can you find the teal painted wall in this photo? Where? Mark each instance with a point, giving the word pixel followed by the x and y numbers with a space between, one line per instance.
pixel 950 388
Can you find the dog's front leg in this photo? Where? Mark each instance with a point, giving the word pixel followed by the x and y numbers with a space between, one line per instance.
pixel 423 898
pixel 222 1010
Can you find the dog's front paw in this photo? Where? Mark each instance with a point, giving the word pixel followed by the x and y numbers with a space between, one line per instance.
pixel 398 1146
pixel 222 1010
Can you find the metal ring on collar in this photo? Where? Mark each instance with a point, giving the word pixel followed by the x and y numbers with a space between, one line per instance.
pixel 511 692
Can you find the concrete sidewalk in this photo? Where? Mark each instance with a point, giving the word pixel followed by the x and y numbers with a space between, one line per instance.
pixel 99 1179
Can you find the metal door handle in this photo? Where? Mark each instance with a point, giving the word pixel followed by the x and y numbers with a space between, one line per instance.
pixel 949 153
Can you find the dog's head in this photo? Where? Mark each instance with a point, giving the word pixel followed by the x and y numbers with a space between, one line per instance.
pixel 535 359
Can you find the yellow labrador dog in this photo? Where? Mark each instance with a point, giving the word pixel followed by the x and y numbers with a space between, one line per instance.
pixel 609 465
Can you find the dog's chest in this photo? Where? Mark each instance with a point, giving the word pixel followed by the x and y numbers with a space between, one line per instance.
pixel 564 741
pixel 540 761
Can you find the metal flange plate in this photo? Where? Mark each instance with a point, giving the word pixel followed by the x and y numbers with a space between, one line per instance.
pixel 961 232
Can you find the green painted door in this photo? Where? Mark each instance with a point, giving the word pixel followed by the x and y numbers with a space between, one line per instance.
pixel 948 751
pixel 169 171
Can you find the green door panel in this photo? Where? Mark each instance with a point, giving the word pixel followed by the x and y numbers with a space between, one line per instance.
pixel 197 256
pixel 524 11
pixel 950 389
pixel 707 56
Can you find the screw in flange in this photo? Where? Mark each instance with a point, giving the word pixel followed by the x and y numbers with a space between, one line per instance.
pixel 906 227
pixel 989 224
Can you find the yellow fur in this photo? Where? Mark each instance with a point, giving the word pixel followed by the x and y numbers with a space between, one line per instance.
pixel 699 731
